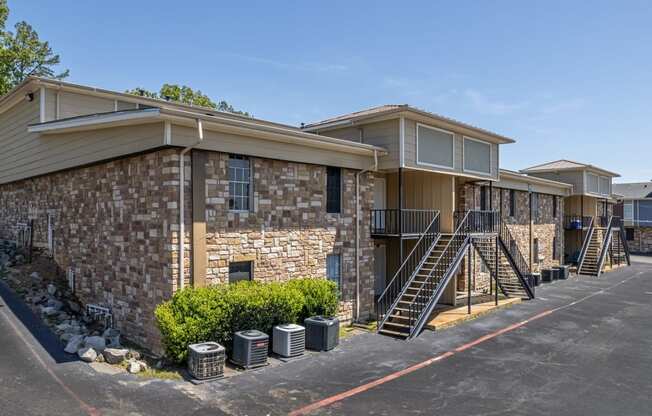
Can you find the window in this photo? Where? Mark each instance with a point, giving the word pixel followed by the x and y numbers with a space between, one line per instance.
pixel 484 192
pixel 333 190
pixel 241 270
pixel 334 268
pixel 644 213
pixel 535 251
pixel 628 211
pixel 605 185
pixel 512 202
pixel 592 183
pixel 434 147
pixel 477 156
pixel 629 234
pixel 239 183
pixel 554 206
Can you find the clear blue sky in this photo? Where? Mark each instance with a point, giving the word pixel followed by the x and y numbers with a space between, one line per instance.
pixel 566 79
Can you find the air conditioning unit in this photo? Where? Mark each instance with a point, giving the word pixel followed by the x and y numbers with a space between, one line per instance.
pixel 564 271
pixel 322 333
pixel 206 360
pixel 546 275
pixel 289 340
pixel 250 348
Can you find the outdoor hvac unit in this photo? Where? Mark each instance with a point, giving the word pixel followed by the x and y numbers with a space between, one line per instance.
pixel 322 334
pixel 546 275
pixel 250 348
pixel 564 272
pixel 206 360
pixel 289 340
pixel 554 272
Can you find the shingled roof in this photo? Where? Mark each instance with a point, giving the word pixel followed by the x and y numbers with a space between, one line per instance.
pixel 636 190
pixel 564 164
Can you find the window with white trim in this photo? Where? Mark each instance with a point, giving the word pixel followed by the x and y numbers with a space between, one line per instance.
pixel 605 185
pixel 477 156
pixel 334 268
pixel 628 210
pixel 592 183
pixel 239 183
pixel 435 147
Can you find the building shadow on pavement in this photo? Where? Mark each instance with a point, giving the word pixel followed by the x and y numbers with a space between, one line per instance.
pixel 41 332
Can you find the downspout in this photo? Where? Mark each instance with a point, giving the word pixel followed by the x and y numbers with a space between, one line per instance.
pixel 182 180
pixel 357 234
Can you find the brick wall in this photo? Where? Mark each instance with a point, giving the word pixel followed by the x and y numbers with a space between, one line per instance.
pixel 287 233
pixel 112 224
pixel 642 242
pixel 545 227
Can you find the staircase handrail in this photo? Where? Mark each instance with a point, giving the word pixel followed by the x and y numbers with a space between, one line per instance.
pixel 415 317
pixel 585 246
pixel 623 238
pixel 515 258
pixel 605 246
pixel 401 279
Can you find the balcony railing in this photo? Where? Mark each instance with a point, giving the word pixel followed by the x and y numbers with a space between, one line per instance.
pixel 576 222
pixel 479 221
pixel 394 222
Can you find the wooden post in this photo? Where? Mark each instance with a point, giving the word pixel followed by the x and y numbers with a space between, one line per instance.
pixel 496 271
pixel 400 214
pixel 199 255
pixel 468 289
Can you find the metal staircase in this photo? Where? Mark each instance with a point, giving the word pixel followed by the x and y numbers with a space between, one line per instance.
pixel 403 313
pixel 611 245
pixel 513 270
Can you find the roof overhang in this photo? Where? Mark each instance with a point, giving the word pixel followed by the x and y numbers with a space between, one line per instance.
pixel 97 121
pixel 515 180
pixel 244 127
pixel 415 114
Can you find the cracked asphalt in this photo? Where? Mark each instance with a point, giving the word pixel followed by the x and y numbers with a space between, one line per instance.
pixel 586 352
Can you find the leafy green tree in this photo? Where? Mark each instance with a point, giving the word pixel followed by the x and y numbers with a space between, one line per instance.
pixel 23 54
pixel 186 95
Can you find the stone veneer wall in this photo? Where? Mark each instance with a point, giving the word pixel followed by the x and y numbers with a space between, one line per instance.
pixel 113 224
pixel 642 242
pixel 545 227
pixel 287 233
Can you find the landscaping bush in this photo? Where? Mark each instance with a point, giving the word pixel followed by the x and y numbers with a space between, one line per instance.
pixel 214 313
pixel 320 297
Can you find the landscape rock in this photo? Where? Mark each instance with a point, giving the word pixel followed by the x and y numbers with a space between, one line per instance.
pixel 49 311
pixel 100 358
pixel 74 306
pixel 95 342
pixel 134 367
pixel 66 336
pixel 74 344
pixel 115 355
pixel 87 354
pixel 56 304
pixel 133 354
pixel 52 289
pixel 35 276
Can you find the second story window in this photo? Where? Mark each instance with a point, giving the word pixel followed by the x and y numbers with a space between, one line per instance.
pixel 239 183
pixel 333 190
pixel 512 202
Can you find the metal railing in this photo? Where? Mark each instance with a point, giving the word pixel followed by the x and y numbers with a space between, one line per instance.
pixel 576 222
pixel 602 222
pixel 623 239
pixel 404 221
pixel 516 258
pixel 479 221
pixel 407 270
pixel 606 242
pixel 585 246
pixel 431 288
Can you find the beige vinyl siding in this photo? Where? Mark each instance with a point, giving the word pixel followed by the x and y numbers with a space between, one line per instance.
pixel 384 134
pixel 50 105
pixel 126 106
pixel 575 178
pixel 251 146
pixel 410 150
pixel 29 154
pixel 73 105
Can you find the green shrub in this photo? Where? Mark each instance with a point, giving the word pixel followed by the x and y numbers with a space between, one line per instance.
pixel 214 313
pixel 320 297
